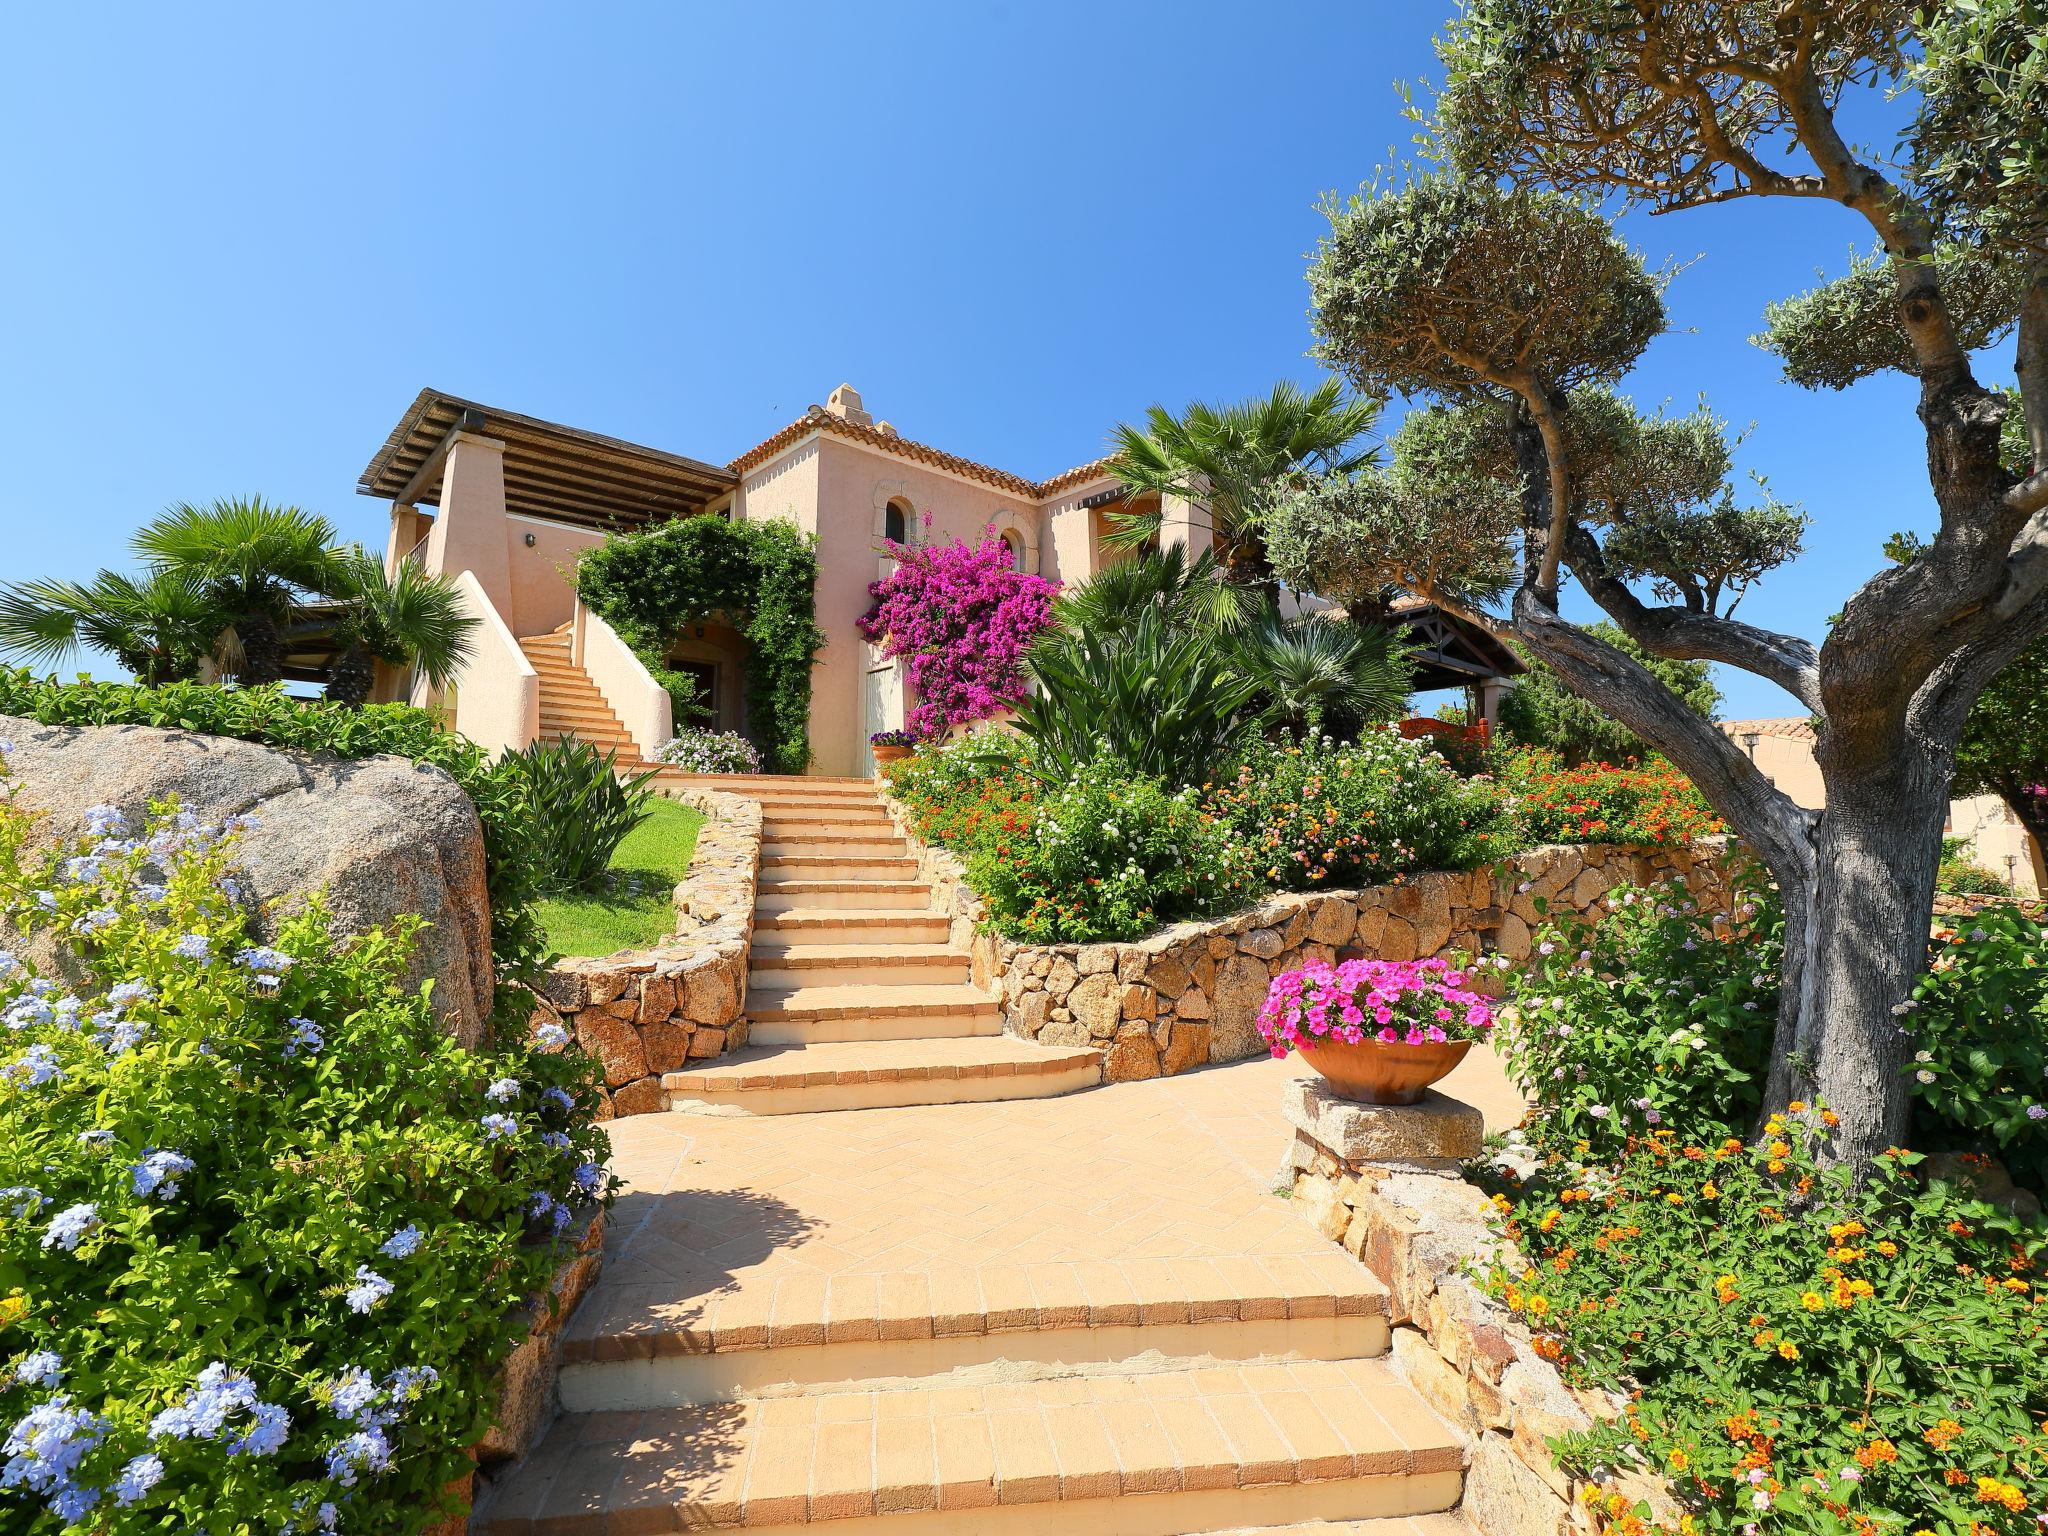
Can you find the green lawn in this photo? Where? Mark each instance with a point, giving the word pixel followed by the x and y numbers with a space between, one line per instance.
pixel 634 908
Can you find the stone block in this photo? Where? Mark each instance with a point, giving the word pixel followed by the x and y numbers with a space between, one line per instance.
pixel 1028 1017
pixel 1095 959
pixel 1316 1199
pixel 709 996
pixel 1239 994
pixel 641 1098
pixel 1188 1046
pixel 1397 939
pixel 1438 1128
pixel 615 1043
pixel 1062 1028
pixel 1193 1004
pixel 1434 1379
pixel 667 1045
pixel 1139 1001
pixel 1168 976
pixel 1097 1002
pixel 1060 979
pixel 1335 920
pixel 707 1042
pixel 1263 942
pixel 657 999
pixel 1503 1497
pixel 1131 1060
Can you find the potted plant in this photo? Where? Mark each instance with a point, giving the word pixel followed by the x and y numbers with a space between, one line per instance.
pixel 1379 1031
pixel 892 746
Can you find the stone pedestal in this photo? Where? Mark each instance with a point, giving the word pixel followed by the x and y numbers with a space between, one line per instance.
pixel 1434 1136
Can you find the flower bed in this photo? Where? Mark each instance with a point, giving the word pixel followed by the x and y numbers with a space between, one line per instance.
pixel 1647 805
pixel 267 1234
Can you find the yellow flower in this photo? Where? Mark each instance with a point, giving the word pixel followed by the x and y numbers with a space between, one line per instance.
pixel 1538 1305
pixel 2016 1284
pixel 13 1307
pixel 1709 1192
pixel 1674 1198
pixel 1789 1350
pixel 1991 1491
pixel 1889 1249
pixel 1813 1301
pixel 1724 1289
pixel 1797 1106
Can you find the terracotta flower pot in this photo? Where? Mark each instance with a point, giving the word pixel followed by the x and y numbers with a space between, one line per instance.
pixel 1375 1072
pixel 888 754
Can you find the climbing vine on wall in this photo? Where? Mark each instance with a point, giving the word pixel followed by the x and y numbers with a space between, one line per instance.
pixel 760 577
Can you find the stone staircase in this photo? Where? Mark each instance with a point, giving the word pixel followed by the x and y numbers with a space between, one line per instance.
pixel 1079 1316
pixel 570 703
pixel 855 997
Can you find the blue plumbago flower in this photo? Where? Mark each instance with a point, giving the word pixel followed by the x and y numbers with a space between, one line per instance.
pixel 118 1036
pixel 258 958
pixel 8 964
pixel 369 1290
pixel 43 1368
pixel 37 1067
pixel 158 1173
pixel 2037 1112
pixel 560 1098
pixel 539 1203
pixel 193 946
pixel 306 1038
pixel 497 1126
pixel 409 1382
pixel 352 1394
pixel 152 894
pixel 70 1225
pixel 503 1091
pixel 588 1177
pixel 403 1243
pixel 95 920
pixel 96 1138
pixel 244 821
pixel 47 900
pixel 558 1141
pixel 137 1478
pixel 367 1450
pixel 105 820
pixel 551 1037
pixel 326 1518
pixel 22 1200
pixel 269 1427
pixel 64 1013
pixel 82 869
pixel 232 888
pixel 126 994
pixel 28 1011
pixel 43 1451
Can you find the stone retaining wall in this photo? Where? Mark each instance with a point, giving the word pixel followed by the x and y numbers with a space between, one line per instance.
pixel 1190 994
pixel 1379 1182
pixel 643 1012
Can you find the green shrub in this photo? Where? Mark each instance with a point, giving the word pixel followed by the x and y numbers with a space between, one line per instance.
pixel 968 792
pixel 761 577
pixel 1958 876
pixel 1106 856
pixel 1657 1013
pixel 634 905
pixel 266 1233
pixel 577 810
pixel 1321 815
pixel 270 716
pixel 1979 1074
pixel 1802 1353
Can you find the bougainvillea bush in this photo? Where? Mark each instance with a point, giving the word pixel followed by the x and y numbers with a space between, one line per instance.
pixel 265 1232
pixel 1646 805
pixel 1397 1002
pixel 1658 1011
pixel 1321 814
pixel 964 618
pixel 1803 1352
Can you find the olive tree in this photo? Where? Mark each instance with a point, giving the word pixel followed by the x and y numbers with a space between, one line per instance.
pixel 1498 289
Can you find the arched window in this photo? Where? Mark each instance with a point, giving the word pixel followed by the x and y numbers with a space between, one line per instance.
pixel 1014 542
pixel 896 523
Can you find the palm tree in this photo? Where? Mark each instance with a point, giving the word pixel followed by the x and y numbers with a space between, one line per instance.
pixel 161 626
pixel 1233 456
pixel 257 562
pixel 1320 672
pixel 1189 591
pixel 411 619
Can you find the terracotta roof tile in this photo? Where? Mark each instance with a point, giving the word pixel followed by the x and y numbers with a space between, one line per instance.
pixel 818 419
pixel 1792 727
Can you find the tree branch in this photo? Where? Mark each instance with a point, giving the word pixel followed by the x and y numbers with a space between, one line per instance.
pixel 1688 634
pixel 1762 815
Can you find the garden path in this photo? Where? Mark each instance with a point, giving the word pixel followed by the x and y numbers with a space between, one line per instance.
pixel 1089 1313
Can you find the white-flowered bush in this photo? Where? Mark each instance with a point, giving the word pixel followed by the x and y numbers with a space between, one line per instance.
pixel 697 751
pixel 265 1231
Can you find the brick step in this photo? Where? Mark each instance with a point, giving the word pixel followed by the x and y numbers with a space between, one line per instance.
pixel 811 963
pixel 799 865
pixel 860 1001
pixel 1139 1454
pixel 855 845
pixel 881 1074
pixel 783 783
pixel 852 925
pixel 634 1345
pixel 802 819
pixel 776 895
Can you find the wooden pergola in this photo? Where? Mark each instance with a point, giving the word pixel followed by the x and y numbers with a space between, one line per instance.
pixel 551 471
pixel 1452 652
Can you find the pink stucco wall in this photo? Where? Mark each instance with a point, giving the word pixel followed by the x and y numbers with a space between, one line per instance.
pixel 542 578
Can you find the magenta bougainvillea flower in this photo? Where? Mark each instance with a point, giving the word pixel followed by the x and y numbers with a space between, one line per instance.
pixel 1402 1002
pixel 963 618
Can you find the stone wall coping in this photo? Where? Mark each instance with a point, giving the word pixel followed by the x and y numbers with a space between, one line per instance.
pixel 682 1000
pixel 1439 1132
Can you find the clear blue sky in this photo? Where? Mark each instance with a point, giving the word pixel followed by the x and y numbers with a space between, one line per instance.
pixel 239 240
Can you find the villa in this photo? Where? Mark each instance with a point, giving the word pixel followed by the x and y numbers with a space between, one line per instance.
pixel 515 500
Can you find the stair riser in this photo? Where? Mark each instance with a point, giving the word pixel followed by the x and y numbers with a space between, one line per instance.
pixel 787 971
pixel 835 847
pixel 804 824
pixel 694 1377
pixel 769 899
pixel 823 1098
pixel 938 1026
pixel 903 930
pixel 799 866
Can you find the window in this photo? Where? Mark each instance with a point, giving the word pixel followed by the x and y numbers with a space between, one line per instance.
pixel 1014 542
pixel 896 523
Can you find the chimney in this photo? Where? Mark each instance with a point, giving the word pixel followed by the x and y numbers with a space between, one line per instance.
pixel 844 402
